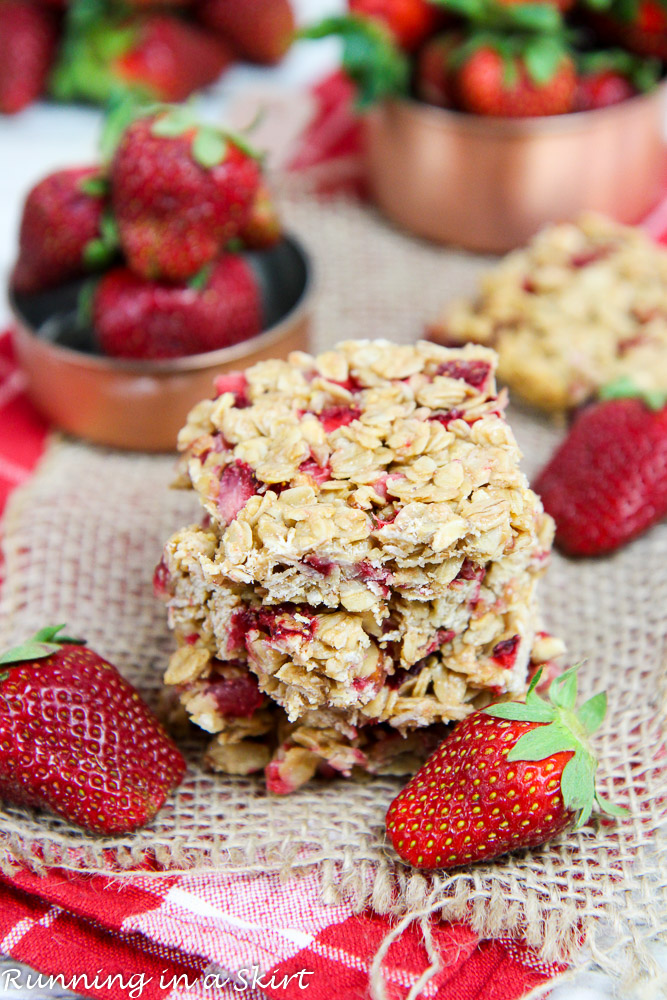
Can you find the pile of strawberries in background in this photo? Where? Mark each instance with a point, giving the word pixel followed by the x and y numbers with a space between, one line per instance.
pixel 163 223
pixel 511 58
pixel 92 50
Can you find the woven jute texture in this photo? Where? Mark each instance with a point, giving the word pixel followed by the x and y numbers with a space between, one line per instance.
pixel 82 539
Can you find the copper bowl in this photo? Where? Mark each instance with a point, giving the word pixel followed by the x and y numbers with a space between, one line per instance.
pixel 488 184
pixel 143 404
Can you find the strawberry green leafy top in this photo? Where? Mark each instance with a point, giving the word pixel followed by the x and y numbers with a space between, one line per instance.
pixel 568 728
pixel 44 642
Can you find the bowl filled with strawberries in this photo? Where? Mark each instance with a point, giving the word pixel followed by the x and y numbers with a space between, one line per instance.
pixel 140 279
pixel 486 119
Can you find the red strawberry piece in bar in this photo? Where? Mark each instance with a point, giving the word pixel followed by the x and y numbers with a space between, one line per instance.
pixel 320 473
pixel 505 652
pixel 237 484
pixel 475 373
pixel 236 694
pixel 236 383
pixel 334 417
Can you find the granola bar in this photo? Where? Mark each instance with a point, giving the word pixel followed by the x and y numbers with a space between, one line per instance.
pixel 582 306
pixel 370 549
pixel 423 664
pixel 252 733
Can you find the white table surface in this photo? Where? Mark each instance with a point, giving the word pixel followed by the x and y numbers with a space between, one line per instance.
pixel 47 136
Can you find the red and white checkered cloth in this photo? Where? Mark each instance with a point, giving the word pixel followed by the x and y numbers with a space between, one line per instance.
pixel 165 937
pixel 252 936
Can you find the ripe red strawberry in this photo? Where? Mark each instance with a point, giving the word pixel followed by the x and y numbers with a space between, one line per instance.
pixel 608 480
pixel 409 21
pixel 262 228
pixel 134 318
pixel 511 776
pixel 28 37
pixel 155 56
pixel 64 231
pixel 434 71
pixel 601 90
pixel 180 193
pixel 258 30
pixel 490 84
pixel 637 25
pixel 76 738
pixel 609 76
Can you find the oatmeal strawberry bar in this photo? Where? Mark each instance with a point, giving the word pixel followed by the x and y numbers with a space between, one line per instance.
pixel 252 733
pixel 370 548
pixel 582 306
pixel 309 658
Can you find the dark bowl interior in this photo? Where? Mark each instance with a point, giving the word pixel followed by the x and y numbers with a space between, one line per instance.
pixel 281 272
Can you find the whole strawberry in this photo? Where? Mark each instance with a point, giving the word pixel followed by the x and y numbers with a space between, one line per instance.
pixel 179 192
pixel 258 30
pixel 610 76
pixel 410 22
pixel 64 230
pixel 507 85
pixel 637 25
pixel 601 90
pixel 28 38
pixel 135 318
pixel 76 738
pixel 608 480
pixel 154 56
pixel 511 776
pixel 434 74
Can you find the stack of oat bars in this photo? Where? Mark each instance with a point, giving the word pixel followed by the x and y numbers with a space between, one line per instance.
pixel 366 566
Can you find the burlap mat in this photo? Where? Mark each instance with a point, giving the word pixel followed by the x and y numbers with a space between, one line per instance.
pixel 83 536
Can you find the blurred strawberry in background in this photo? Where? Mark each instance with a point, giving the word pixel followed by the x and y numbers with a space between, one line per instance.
pixel 258 30
pixel 148 320
pixel 93 50
pixel 493 82
pixel 28 39
pixel 153 56
pixel 409 21
pixel 637 25
pixel 180 193
pixel 63 230
pixel 502 58
pixel 434 71
pixel 163 240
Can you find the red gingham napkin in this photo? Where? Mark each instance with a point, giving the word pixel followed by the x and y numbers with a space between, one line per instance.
pixel 214 935
pixel 22 430
pixel 257 937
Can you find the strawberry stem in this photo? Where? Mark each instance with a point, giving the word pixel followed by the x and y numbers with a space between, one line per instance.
pixel 371 57
pixel 44 642
pixel 624 388
pixel 562 728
